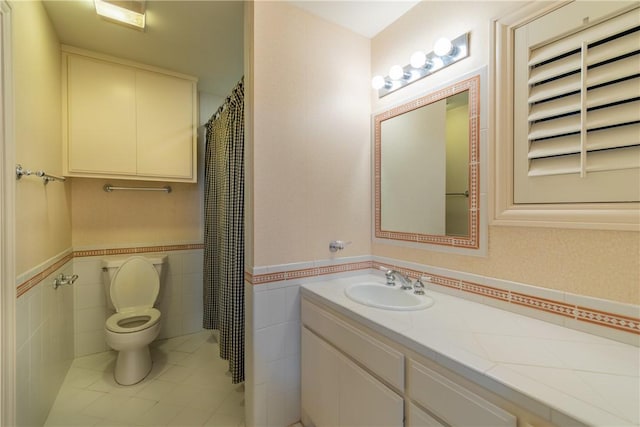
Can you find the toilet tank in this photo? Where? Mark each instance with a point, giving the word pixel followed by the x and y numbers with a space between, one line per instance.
pixel 111 264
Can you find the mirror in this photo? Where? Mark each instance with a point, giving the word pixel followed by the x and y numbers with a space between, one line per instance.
pixel 427 168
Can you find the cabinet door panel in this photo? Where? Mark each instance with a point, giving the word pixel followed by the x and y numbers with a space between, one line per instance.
pixel 165 125
pixel 319 378
pixel 101 117
pixel 418 418
pixel 365 401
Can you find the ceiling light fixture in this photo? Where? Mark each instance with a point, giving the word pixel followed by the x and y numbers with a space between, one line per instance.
pixel 130 13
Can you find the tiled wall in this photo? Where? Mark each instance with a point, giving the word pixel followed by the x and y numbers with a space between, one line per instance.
pixel 180 299
pixel 273 367
pixel 44 342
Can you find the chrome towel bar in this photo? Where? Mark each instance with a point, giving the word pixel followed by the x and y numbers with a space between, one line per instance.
pixel 109 188
pixel 46 177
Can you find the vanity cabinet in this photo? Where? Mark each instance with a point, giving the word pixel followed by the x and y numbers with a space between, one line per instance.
pixel 336 389
pixel 126 120
pixel 352 375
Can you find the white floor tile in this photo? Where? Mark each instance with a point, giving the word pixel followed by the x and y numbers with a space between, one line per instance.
pixel 189 385
pixel 159 415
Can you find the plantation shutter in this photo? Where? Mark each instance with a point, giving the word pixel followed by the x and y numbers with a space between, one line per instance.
pixel 577 114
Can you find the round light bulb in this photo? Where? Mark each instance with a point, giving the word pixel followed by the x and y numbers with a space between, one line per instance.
pixel 378 82
pixel 396 72
pixel 442 46
pixel 418 59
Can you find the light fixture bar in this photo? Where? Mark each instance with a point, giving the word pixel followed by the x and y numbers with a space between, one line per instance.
pixel 130 13
pixel 433 63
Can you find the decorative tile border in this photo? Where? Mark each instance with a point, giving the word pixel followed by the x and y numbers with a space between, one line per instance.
pixel 610 320
pixel 136 250
pixel 25 286
pixel 571 311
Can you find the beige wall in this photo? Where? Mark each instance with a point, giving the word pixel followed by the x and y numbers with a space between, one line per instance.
pixel 43 222
pixel 603 264
pixel 131 218
pixel 311 146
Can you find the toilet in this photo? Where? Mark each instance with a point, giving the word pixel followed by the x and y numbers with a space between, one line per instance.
pixel 132 286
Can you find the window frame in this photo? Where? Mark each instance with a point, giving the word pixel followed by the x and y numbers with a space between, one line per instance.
pixel 598 216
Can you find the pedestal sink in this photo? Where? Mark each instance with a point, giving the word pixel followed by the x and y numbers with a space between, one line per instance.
pixel 387 297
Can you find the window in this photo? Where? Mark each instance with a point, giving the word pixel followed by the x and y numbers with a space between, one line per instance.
pixel 573 77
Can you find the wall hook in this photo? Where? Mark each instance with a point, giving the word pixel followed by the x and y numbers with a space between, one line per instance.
pixel 338 245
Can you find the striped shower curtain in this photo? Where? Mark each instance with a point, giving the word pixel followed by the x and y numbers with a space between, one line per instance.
pixel 224 230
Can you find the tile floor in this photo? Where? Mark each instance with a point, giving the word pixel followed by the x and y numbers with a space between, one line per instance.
pixel 189 385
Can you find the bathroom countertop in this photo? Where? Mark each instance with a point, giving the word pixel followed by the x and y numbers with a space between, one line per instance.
pixel 550 370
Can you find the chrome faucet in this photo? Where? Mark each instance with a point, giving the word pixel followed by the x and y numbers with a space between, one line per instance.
pixel 392 275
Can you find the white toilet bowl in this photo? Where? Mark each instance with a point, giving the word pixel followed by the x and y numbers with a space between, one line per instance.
pixel 133 290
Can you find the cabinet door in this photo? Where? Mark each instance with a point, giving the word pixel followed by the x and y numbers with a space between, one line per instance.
pixel 337 392
pixel 165 126
pixel 101 117
pixel 419 418
pixel 320 382
pixel 365 401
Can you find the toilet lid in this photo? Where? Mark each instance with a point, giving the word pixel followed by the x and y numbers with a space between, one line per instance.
pixel 135 284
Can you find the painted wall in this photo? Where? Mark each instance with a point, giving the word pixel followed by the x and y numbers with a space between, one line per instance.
pixel 43 218
pixel 602 264
pixel 44 340
pixel 311 147
pixel 308 181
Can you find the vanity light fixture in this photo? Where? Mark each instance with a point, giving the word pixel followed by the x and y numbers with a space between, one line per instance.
pixel 131 13
pixel 445 52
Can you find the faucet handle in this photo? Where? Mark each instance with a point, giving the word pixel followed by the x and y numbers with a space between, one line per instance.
pixel 389 274
pixel 418 287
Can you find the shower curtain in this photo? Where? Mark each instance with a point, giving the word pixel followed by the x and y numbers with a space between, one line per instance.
pixel 224 230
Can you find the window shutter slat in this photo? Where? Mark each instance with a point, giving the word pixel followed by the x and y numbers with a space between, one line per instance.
pixel 612 71
pixel 600 161
pixel 615 48
pixel 556 127
pixel 555 68
pixel 557 107
pixel 612 116
pixel 555 88
pixel 610 160
pixel 554 147
pixel 621 136
pixel 555 165
pixel 618 92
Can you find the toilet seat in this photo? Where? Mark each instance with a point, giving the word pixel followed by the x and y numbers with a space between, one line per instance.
pixel 118 322
pixel 135 285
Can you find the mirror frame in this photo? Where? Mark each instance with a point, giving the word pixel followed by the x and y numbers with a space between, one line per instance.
pixel 472 241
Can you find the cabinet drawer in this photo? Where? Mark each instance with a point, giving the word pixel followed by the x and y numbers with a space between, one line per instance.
pixel 451 402
pixel 378 357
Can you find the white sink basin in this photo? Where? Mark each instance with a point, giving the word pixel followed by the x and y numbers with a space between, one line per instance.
pixel 387 297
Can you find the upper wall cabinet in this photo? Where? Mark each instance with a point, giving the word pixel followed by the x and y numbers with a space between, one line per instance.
pixel 127 120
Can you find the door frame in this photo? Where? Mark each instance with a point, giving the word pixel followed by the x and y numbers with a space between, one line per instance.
pixel 7 225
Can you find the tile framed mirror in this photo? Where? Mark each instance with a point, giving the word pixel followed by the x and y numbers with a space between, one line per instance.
pixel 427 168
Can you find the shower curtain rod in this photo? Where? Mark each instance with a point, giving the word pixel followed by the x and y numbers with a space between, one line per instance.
pixel 109 188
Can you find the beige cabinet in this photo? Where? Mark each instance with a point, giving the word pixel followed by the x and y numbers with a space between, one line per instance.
pixel 338 392
pixel 126 120
pixel 351 375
